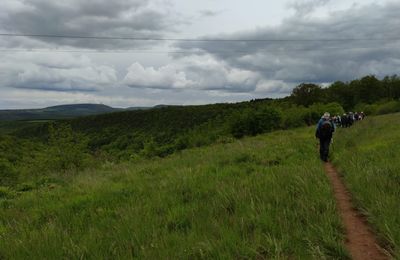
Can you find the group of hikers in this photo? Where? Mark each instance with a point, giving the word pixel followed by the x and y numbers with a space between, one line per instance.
pixel 327 125
pixel 347 119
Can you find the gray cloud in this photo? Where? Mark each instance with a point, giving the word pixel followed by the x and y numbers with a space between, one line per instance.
pixel 62 72
pixel 306 7
pixel 219 71
pixel 209 13
pixel 193 72
pixel 140 18
pixel 316 61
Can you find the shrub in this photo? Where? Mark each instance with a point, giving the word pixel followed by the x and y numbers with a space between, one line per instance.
pixel 66 150
pixel 389 107
pixel 8 174
pixel 295 117
pixel 150 149
pixel 319 109
pixel 253 122
pixel 6 193
pixel 368 109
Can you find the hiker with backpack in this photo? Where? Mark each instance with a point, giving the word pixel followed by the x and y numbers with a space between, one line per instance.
pixel 324 133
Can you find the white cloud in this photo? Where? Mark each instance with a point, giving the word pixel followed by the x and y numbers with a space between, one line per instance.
pixel 31 98
pixel 195 72
pixel 61 72
pixel 273 88
pixel 311 58
pixel 230 71
pixel 165 77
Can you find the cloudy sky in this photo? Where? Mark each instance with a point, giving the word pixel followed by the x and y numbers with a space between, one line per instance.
pixel 201 51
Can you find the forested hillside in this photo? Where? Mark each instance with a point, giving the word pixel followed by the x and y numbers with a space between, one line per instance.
pixel 161 131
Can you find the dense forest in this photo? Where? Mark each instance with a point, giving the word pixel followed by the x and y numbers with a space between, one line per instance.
pixel 32 151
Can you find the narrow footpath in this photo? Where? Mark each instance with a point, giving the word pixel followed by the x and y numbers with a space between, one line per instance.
pixel 360 240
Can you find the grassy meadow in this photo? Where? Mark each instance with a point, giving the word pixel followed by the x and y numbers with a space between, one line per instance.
pixel 264 197
pixel 367 155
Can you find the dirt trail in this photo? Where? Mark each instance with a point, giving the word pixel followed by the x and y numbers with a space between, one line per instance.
pixel 360 241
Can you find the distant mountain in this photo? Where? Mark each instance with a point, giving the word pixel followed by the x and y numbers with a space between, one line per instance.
pixel 146 108
pixel 64 112
pixel 56 112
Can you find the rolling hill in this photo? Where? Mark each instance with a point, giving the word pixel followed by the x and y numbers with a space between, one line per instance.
pixel 61 112
pixel 55 112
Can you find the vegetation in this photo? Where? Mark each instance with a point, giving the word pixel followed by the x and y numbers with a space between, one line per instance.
pixel 38 147
pixel 9 127
pixel 141 183
pixel 261 197
pixel 367 90
pixel 368 157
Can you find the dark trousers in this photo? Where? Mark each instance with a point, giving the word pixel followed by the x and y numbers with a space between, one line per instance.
pixel 324 148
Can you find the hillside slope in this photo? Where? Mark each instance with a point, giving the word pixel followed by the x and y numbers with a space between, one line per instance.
pixel 368 156
pixel 165 130
pixel 262 197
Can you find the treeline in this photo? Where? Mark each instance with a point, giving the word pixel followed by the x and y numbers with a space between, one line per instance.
pixel 33 153
pixel 65 145
pixel 163 131
pixel 352 95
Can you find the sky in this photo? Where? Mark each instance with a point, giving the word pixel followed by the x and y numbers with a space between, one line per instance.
pixel 203 51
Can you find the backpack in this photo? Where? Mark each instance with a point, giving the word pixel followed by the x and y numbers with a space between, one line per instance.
pixel 325 130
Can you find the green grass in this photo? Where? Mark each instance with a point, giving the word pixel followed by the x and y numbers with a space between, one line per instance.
pixel 265 197
pixel 368 158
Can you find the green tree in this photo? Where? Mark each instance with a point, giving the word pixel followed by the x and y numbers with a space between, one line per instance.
pixel 341 93
pixel 252 122
pixel 391 86
pixel 307 94
pixel 368 89
pixel 66 149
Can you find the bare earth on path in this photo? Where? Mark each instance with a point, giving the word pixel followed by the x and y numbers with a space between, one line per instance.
pixel 360 240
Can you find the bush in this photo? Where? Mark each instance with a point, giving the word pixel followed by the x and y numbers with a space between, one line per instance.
pixel 252 122
pixel 368 109
pixel 150 149
pixel 26 186
pixel 66 150
pixel 8 174
pixel 295 117
pixel 6 193
pixel 319 109
pixel 389 107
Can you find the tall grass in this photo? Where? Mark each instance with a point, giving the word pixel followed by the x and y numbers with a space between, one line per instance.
pixel 368 158
pixel 265 197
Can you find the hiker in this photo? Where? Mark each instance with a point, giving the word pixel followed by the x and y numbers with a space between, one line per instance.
pixel 362 115
pixel 345 120
pixel 337 120
pixel 356 116
pixel 351 118
pixel 324 133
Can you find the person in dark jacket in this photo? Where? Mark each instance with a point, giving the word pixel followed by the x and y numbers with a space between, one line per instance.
pixel 345 120
pixel 324 132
